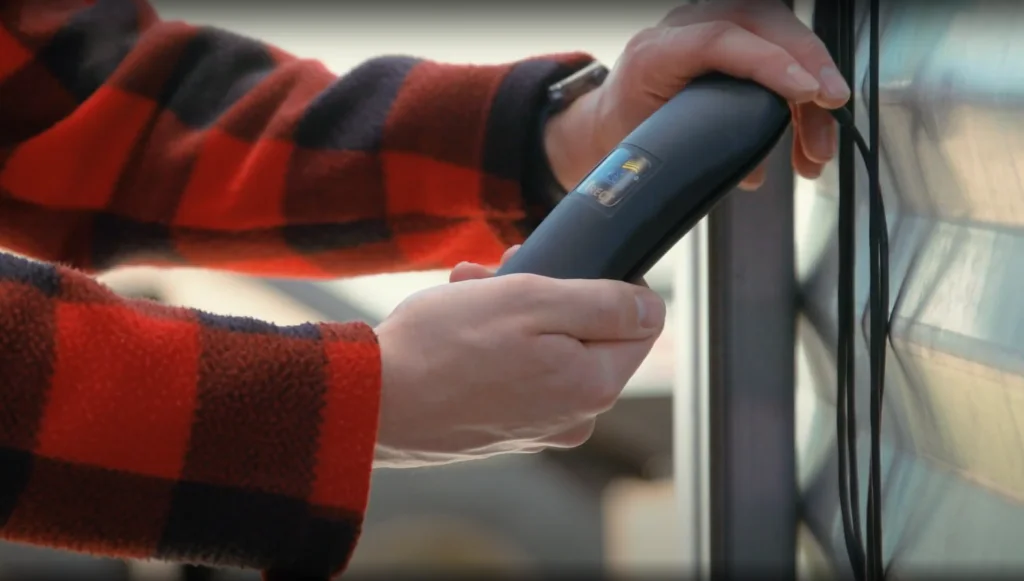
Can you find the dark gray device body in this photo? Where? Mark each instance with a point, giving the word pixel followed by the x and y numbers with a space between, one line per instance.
pixel 657 184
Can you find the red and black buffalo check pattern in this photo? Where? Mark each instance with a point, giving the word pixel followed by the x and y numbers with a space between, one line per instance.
pixel 137 430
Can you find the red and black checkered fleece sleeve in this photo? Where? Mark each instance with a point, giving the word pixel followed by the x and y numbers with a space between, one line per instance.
pixel 125 139
pixel 132 429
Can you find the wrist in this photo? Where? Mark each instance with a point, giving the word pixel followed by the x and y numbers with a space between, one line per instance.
pixel 385 452
pixel 569 140
pixel 397 431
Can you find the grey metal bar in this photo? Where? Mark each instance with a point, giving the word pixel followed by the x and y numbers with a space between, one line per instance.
pixel 752 480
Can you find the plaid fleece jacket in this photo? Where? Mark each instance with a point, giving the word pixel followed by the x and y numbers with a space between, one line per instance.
pixel 137 430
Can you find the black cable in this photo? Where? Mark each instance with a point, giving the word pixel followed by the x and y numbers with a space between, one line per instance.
pixel 846 430
pixel 879 299
pixel 866 560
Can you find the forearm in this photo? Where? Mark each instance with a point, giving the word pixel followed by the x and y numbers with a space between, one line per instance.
pixel 159 142
pixel 131 429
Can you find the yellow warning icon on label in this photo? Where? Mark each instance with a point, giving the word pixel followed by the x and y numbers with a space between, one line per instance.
pixel 635 166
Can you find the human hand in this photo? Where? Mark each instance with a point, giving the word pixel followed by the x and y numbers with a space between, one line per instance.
pixel 760 40
pixel 513 364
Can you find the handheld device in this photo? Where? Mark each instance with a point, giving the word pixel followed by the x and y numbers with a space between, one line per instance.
pixel 657 183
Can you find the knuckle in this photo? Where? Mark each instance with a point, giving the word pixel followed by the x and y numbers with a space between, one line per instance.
pixel 724 10
pixel 745 11
pixel 714 32
pixel 774 53
pixel 682 14
pixel 639 42
pixel 809 46
pixel 522 285
pixel 742 9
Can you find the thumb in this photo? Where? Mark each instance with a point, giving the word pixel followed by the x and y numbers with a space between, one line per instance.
pixel 472 271
pixel 469 271
pixel 509 252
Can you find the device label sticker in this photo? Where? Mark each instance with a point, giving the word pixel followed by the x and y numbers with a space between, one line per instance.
pixel 612 181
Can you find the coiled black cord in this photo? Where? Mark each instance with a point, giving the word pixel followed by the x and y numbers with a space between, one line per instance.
pixel 866 559
pixel 846 431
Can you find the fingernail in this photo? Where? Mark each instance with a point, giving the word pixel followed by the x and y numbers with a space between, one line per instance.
pixel 801 80
pixel 751 186
pixel 650 310
pixel 834 84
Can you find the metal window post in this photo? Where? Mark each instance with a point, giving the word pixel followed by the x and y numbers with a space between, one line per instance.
pixel 734 402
